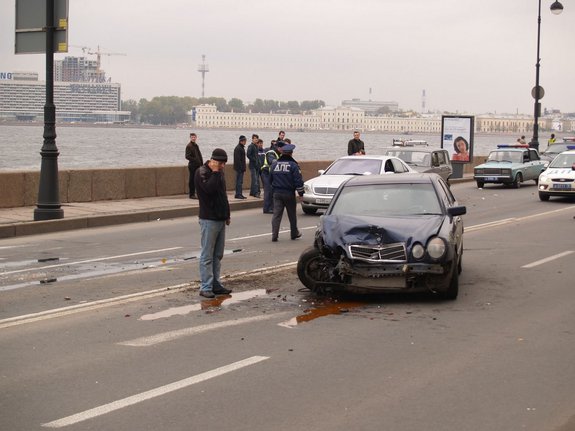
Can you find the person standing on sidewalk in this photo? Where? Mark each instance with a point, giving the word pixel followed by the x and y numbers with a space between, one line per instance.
pixel 195 160
pixel 240 166
pixel 286 180
pixel 254 163
pixel 214 216
pixel 355 146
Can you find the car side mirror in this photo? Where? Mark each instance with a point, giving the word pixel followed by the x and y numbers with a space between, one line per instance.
pixel 457 211
pixel 321 171
pixel 573 167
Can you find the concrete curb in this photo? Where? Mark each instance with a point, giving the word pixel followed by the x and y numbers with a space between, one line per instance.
pixel 10 230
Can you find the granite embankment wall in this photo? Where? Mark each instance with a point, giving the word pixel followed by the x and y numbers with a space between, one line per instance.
pixel 20 188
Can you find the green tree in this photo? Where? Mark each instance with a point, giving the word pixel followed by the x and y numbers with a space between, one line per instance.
pixel 236 105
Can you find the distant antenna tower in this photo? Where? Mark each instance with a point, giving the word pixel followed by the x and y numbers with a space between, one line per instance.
pixel 423 101
pixel 203 68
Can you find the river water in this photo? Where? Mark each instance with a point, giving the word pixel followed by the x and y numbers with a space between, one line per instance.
pixel 118 147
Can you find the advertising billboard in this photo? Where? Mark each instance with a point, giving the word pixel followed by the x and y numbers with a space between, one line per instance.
pixel 457 137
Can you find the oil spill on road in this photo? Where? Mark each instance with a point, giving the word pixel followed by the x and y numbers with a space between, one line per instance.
pixel 321 308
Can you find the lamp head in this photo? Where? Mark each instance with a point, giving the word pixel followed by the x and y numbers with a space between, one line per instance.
pixel 556 8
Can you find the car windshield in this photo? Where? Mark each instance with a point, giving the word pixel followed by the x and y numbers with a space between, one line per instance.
pixel 414 158
pixel 556 148
pixel 387 200
pixel 506 156
pixel 359 166
pixel 563 161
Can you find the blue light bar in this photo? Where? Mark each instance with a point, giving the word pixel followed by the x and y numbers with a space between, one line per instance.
pixel 512 146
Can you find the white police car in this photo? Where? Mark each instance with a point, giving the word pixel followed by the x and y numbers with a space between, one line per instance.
pixel 559 177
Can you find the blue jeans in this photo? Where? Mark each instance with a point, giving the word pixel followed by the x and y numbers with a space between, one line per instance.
pixel 255 181
pixel 213 242
pixel 239 183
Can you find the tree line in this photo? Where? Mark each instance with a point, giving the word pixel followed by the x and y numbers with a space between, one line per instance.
pixel 174 109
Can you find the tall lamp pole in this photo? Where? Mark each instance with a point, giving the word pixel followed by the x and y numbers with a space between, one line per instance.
pixel 556 9
pixel 48 206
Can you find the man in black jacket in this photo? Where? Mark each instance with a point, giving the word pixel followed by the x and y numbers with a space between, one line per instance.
pixel 240 166
pixel 355 146
pixel 194 157
pixel 214 217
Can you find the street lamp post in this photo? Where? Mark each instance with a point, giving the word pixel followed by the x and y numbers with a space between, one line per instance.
pixel 556 8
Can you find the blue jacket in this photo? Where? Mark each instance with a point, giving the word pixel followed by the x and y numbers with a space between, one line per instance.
pixel 286 176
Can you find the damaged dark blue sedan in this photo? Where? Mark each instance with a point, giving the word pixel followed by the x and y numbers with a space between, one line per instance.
pixel 385 233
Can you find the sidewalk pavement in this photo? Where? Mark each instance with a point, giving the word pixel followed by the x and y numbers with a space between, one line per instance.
pixel 79 215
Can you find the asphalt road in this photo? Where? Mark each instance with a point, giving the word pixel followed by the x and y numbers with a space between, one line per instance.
pixel 103 329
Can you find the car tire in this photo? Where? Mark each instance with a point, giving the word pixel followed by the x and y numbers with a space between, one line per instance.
pixel 518 180
pixel 453 289
pixel 543 197
pixel 310 211
pixel 480 184
pixel 312 269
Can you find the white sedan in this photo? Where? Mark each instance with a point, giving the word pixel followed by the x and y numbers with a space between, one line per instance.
pixel 319 191
pixel 559 177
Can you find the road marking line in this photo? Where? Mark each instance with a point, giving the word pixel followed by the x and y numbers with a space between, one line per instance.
pixel 187 332
pixel 95 305
pixel 153 393
pixel 548 259
pixel 267 234
pixel 512 220
pixel 98 259
pixel 124 299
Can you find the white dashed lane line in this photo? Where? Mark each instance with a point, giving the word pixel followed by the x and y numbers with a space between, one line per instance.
pixel 153 393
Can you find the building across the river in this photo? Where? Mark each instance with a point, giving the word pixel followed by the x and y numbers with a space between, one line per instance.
pixel 351 118
pixel 23 96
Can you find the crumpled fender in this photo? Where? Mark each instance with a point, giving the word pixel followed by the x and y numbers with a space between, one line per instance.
pixel 342 230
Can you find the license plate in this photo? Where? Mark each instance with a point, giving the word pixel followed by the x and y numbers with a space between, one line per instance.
pixel 491 178
pixel 322 201
pixel 561 186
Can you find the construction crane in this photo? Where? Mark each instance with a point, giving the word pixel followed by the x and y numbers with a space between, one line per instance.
pixel 87 50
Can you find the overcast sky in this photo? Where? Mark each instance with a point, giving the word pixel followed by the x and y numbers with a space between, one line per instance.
pixel 471 56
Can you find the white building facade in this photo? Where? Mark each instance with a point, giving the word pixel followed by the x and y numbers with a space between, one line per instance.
pixel 24 99
pixel 350 118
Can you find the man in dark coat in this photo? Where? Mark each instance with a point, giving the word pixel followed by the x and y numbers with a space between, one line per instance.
pixel 240 166
pixel 286 180
pixel 355 146
pixel 214 215
pixel 255 166
pixel 195 160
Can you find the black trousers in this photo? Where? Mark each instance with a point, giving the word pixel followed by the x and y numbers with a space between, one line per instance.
pixel 287 201
pixel 191 185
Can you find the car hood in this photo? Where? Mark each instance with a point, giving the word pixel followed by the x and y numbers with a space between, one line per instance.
pixel 495 165
pixel 328 180
pixel 342 230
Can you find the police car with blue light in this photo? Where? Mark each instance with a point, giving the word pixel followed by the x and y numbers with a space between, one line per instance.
pixel 510 165
pixel 559 177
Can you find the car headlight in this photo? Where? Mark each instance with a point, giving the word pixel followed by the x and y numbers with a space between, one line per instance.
pixel 506 172
pixel 478 171
pixel 306 188
pixel 436 248
pixel 417 251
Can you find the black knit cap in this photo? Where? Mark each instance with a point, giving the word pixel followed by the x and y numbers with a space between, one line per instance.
pixel 219 155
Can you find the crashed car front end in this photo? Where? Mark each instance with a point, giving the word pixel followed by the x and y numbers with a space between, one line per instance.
pixel 400 254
